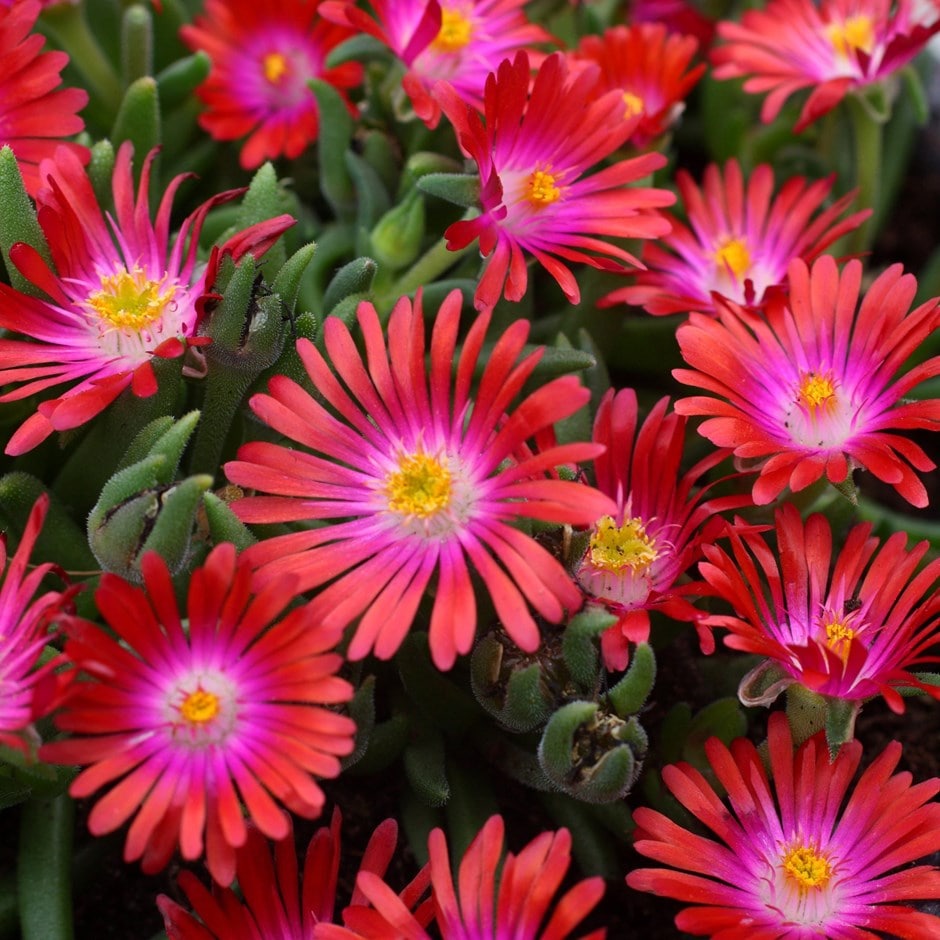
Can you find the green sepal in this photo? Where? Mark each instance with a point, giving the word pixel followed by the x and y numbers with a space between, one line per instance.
pixel 579 645
pixel 265 199
pixel 356 277
pixel 397 236
pixel 171 535
pixel 136 43
pixel 362 711
pixel 177 82
pixel 18 222
pixel 138 120
pixel 145 439
pixel 462 189
pixel 291 274
pixel 763 684
pixel 335 136
pixel 425 767
pixel 359 48
pixel 224 525
pixel 372 200
pixel 163 437
pixel 840 722
pixel 629 695
pixel 515 694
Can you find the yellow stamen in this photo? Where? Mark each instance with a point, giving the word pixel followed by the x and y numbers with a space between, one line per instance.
pixel 456 30
pixel 817 391
pixel 420 487
pixel 200 706
pixel 732 254
pixel 633 105
pixel 807 868
pixel 614 547
pixel 541 189
pixel 854 34
pixel 275 67
pixel 130 299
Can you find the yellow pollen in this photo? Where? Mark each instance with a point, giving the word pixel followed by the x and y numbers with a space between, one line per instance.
pixel 732 254
pixel 541 189
pixel 455 31
pixel 854 34
pixel 275 67
pixel 614 547
pixel 807 868
pixel 200 706
pixel 633 105
pixel 420 487
pixel 130 299
pixel 817 390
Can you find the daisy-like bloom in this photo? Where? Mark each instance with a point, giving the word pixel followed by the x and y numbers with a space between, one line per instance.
pixel 801 855
pixel 651 68
pixel 121 293
pixel 636 556
pixel 814 385
pixel 263 57
pixel 416 479
pixel 27 692
pixel 739 241
pixel 35 114
pixel 533 152
pixel 833 47
pixel 678 16
pixel 457 41
pixel 475 908
pixel 269 904
pixel 190 725
pixel 850 634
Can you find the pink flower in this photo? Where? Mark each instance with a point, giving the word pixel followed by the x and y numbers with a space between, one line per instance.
pixel 121 292
pixel 190 726
pixel 816 386
pixel 533 152
pixel 798 854
pixel 417 479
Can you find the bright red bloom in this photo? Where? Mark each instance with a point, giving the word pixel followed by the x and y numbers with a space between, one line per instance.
pixel 426 481
pixel 832 47
pixel 121 293
pixel 803 857
pixel 851 634
pixel 476 908
pixel 739 241
pixel 636 557
pixel 814 386
pixel 263 56
pixel 457 41
pixel 678 16
pixel 190 725
pixel 533 153
pixel 27 691
pixel 650 67
pixel 35 114
pixel 269 904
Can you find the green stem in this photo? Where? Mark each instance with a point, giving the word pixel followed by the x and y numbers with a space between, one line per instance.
pixel 867 132
pixel 44 868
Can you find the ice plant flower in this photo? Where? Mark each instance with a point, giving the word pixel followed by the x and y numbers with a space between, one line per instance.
pixel 263 57
pixel 739 241
pixel 269 904
pixel 416 479
pixel 833 47
pixel 651 67
pixel 852 632
pixel 122 292
pixel 802 854
pixel 190 725
pixel 457 41
pixel 815 386
pixel 678 16
pixel 534 151
pixel 635 557
pixel 27 690
pixel 475 907
pixel 35 114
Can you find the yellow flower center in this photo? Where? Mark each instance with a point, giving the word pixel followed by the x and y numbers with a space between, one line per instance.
pixel 275 67
pixel 732 255
pixel 541 189
pixel 421 486
pixel 456 30
pixel 130 299
pixel 199 707
pixel 633 105
pixel 614 547
pixel 817 391
pixel 853 34
pixel 807 867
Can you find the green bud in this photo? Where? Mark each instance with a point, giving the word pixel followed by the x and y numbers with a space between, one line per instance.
pixel 397 236
pixel 580 645
pixel 628 696
pixel 224 525
pixel 289 277
pixel 138 120
pixel 462 189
